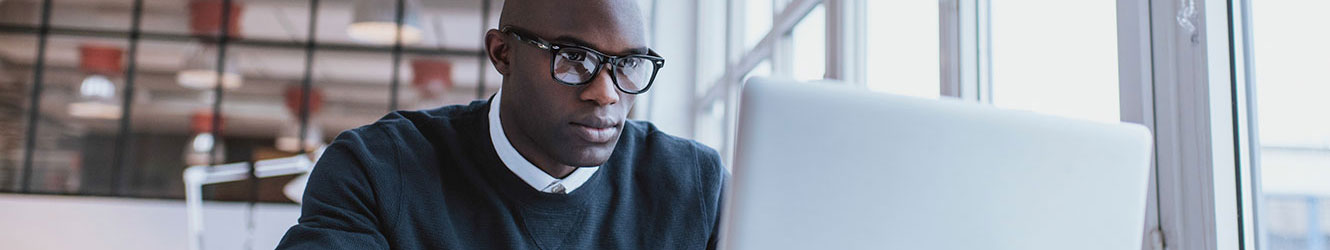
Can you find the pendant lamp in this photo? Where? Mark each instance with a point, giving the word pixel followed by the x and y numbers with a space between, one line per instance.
pixel 96 98
pixel 202 143
pixel 200 71
pixel 374 22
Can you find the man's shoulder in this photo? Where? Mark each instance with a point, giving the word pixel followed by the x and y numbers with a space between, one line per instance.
pixel 410 129
pixel 646 134
pixel 425 119
pixel 673 154
pixel 681 166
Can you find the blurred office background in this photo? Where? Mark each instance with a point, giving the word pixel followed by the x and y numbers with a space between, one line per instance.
pixel 105 103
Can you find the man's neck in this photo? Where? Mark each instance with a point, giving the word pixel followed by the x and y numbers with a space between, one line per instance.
pixel 527 148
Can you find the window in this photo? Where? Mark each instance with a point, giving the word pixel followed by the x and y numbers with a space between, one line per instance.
pixel 757 16
pixel 809 46
pixel 1294 127
pixel 80 113
pixel 15 84
pixel 903 48
pixel 95 137
pixel 1056 57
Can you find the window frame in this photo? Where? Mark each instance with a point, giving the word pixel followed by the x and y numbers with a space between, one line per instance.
pixel 1190 87
pixel 1202 175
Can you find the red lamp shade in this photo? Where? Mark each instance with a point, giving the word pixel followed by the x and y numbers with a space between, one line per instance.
pixel 201 121
pixel 101 59
pixel 431 77
pixel 205 18
pixel 292 94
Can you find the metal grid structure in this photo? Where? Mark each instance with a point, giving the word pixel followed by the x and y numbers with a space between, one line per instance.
pixel 44 29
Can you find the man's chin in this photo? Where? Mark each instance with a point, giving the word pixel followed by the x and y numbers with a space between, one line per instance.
pixel 592 156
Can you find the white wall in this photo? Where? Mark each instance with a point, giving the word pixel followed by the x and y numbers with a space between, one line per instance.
pixel 80 222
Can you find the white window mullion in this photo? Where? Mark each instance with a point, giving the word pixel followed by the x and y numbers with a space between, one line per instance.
pixel 1253 236
pixel 983 53
pixel 949 44
pixel 782 58
pixel 963 46
pixel 1193 124
pixel 749 59
pixel 846 31
pixel 1136 96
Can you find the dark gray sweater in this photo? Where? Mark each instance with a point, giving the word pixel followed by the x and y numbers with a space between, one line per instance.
pixel 431 180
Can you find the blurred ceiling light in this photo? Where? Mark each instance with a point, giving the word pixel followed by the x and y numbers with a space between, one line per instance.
pixel 203 142
pixel 94 110
pixel 96 99
pixel 288 138
pixel 200 71
pixel 375 22
pixel 97 93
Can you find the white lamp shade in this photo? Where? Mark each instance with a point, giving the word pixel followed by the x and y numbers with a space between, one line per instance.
pixel 200 71
pixel 196 151
pixel 94 110
pixel 288 139
pixel 375 22
pixel 207 79
pixel 96 99
pixel 97 87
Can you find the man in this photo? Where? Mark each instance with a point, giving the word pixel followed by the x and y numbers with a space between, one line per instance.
pixel 549 162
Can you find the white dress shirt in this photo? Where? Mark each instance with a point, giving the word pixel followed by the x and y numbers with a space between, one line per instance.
pixel 528 172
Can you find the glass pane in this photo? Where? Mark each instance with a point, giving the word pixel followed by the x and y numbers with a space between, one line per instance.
pixel 276 20
pixel 1060 62
pixel 757 21
pixel 431 81
pixel 903 48
pixel 356 89
pixel 809 42
pixel 711 125
pixel 16 57
pixel 256 115
pixel 711 46
pixel 272 20
pixel 1294 127
pixel 110 15
pixel 452 25
pixel 339 24
pixel 171 124
pixel 20 13
pixel 78 115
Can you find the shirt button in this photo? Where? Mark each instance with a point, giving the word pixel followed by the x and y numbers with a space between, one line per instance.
pixel 558 189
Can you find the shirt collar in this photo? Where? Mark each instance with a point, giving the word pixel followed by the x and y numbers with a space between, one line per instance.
pixel 528 172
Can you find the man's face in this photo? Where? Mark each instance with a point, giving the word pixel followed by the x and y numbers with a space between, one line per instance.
pixel 572 125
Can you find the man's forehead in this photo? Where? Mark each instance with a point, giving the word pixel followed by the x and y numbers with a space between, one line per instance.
pixel 610 43
pixel 612 26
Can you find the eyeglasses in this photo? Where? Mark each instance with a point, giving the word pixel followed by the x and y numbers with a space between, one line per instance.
pixel 574 65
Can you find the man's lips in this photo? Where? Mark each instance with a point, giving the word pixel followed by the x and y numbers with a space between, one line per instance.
pixel 596 131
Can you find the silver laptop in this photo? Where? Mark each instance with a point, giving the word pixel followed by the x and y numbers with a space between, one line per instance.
pixel 827 166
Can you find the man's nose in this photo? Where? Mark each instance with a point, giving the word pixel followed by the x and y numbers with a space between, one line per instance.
pixel 601 90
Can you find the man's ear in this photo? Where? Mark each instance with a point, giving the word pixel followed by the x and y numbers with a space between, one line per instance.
pixel 497 50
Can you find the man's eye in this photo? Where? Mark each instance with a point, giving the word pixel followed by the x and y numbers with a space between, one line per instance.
pixel 574 56
pixel 628 63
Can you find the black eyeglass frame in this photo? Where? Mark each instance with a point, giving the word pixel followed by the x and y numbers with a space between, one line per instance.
pixel 657 62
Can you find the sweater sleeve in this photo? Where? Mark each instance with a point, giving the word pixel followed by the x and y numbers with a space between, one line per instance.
pixel 340 201
pixel 717 178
